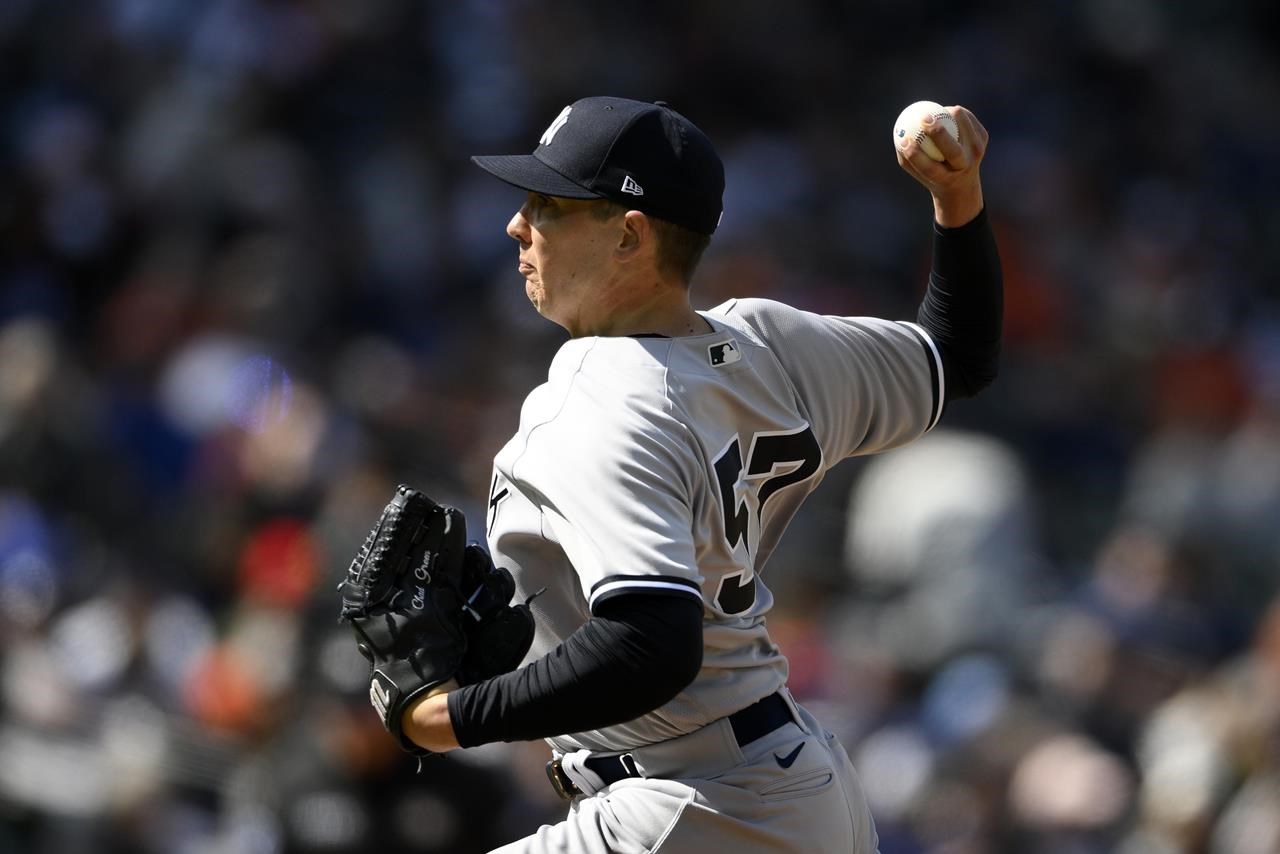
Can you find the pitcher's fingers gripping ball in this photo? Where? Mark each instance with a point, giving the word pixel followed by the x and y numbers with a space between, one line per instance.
pixel 426 607
pixel 943 153
pixel 911 125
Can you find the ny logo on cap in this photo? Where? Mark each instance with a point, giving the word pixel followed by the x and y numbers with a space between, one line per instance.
pixel 629 185
pixel 724 354
pixel 554 128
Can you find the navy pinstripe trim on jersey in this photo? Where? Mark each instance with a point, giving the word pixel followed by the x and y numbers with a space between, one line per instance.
pixel 936 377
pixel 657 585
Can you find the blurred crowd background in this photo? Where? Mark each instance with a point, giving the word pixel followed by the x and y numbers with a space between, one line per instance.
pixel 249 282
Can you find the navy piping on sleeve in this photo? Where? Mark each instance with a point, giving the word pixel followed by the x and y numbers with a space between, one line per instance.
pixel 936 375
pixel 657 585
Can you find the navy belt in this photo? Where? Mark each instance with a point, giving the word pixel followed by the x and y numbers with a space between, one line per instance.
pixel 755 721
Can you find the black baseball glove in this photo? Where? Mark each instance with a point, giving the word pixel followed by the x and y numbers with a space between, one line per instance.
pixel 426 608
pixel 498 633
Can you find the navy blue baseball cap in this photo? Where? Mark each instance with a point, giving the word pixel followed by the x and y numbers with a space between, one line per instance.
pixel 645 156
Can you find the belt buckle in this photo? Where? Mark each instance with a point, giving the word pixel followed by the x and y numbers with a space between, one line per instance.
pixel 560 781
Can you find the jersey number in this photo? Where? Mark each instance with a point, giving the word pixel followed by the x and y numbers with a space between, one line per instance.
pixel 774 461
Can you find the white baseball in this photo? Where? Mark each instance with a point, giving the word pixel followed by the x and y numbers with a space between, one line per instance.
pixel 910 125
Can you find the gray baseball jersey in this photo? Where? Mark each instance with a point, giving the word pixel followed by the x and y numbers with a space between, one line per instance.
pixel 675 464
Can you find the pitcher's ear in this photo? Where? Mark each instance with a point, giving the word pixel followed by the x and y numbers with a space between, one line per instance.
pixel 637 236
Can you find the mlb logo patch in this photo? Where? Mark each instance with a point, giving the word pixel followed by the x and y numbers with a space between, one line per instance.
pixel 725 353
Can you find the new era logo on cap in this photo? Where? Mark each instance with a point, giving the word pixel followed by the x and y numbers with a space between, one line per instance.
pixel 645 156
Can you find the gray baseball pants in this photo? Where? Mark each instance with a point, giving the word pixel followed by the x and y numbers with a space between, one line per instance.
pixel 703 794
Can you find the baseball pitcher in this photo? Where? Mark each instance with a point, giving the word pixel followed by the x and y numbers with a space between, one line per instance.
pixel 632 516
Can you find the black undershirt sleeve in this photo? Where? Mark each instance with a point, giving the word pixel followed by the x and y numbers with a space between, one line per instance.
pixel 636 653
pixel 964 306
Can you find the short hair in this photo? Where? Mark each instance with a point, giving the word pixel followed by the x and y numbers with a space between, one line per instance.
pixel 679 248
